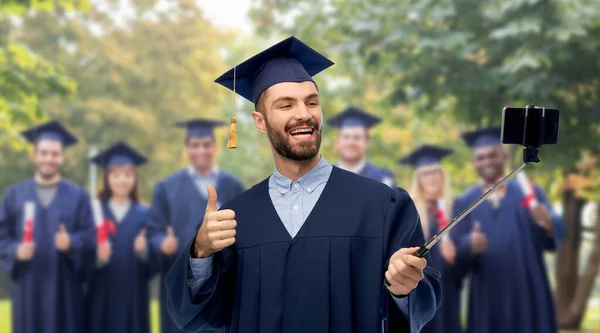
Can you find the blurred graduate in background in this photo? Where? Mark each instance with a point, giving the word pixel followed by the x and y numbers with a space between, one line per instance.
pixel 430 191
pixel 502 243
pixel 46 234
pixel 179 201
pixel 117 300
pixel 352 144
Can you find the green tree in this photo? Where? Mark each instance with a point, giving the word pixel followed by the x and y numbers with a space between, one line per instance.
pixel 472 58
pixel 25 77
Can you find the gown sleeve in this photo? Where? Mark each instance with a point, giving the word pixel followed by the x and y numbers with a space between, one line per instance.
pixel 403 229
pixel 212 306
pixel 150 260
pixel 461 236
pixel 8 242
pixel 159 217
pixel 83 239
pixel 559 226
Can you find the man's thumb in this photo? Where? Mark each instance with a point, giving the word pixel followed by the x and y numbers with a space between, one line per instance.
pixel 476 227
pixel 170 231
pixel 61 228
pixel 212 199
pixel 404 251
pixel 142 233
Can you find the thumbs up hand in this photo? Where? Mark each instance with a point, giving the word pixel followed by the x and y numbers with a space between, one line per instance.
pixel 169 244
pixel 478 239
pixel 140 243
pixel 218 228
pixel 62 240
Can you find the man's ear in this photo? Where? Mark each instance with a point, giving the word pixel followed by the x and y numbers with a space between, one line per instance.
pixel 259 121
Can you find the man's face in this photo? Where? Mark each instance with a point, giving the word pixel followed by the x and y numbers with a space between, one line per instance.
pixel 352 143
pixel 48 157
pixel 201 152
pixel 489 162
pixel 291 118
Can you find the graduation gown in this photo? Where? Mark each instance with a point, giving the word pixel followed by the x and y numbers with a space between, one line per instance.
pixel 382 175
pixel 509 288
pixel 47 291
pixel 178 203
pixel 328 278
pixel 118 294
pixel 447 317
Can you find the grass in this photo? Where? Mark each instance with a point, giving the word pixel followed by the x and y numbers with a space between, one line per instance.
pixel 591 320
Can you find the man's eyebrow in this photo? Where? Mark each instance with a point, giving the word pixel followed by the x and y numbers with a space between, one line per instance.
pixel 313 95
pixel 283 98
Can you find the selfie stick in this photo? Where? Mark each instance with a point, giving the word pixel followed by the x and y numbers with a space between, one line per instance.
pixel 530 154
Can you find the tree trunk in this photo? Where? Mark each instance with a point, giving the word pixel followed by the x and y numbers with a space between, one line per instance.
pixel 586 283
pixel 567 258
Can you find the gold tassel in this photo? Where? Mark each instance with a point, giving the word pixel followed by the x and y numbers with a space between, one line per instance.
pixel 232 141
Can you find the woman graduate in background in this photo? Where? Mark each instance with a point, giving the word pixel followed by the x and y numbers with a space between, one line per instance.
pixel 118 293
pixel 430 191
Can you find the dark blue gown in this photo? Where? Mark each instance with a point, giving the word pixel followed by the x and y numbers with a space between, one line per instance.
pixel 509 288
pixel 382 175
pixel 178 203
pixel 47 292
pixel 118 294
pixel 329 278
pixel 447 318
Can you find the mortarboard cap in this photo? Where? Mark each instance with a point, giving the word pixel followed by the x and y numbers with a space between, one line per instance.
pixel 287 61
pixel 483 137
pixel 426 155
pixel 354 117
pixel 199 128
pixel 52 130
pixel 119 154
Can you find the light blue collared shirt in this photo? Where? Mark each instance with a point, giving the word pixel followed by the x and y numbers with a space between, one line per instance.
pixel 293 201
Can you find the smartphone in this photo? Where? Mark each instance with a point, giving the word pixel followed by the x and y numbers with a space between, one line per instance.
pixel 530 126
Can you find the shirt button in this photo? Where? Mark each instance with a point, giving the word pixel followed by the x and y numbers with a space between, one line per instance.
pixel 296 185
pixel 296 207
pixel 309 189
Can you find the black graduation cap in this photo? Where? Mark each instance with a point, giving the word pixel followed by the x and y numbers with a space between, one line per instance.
pixel 426 155
pixel 52 130
pixel 119 154
pixel 287 61
pixel 354 117
pixel 199 128
pixel 483 137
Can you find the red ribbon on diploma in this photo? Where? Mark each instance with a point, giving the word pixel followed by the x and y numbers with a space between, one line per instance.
pixel 442 220
pixel 28 223
pixel 28 231
pixel 106 228
pixel 530 200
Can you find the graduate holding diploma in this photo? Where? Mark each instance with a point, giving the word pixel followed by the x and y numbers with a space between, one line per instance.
pixel 46 259
pixel 508 293
pixel 118 293
pixel 306 249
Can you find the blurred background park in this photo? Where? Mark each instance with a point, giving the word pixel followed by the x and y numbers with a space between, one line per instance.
pixel 127 69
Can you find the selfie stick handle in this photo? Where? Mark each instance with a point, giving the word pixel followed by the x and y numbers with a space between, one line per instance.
pixel 433 240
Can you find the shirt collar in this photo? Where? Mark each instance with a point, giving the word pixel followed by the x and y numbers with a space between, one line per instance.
pixel 192 172
pixel 315 177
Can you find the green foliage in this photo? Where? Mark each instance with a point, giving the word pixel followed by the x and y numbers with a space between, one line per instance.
pixel 25 78
pixel 479 55
pixel 134 82
pixel 20 7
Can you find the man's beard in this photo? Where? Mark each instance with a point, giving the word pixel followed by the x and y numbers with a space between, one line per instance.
pixel 282 146
pixel 491 178
pixel 47 175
